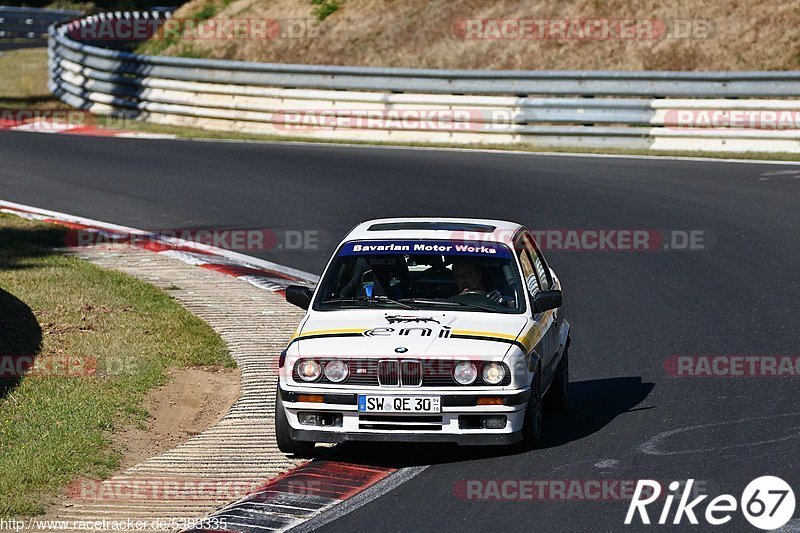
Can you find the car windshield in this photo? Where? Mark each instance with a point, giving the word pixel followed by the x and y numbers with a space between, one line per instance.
pixel 422 274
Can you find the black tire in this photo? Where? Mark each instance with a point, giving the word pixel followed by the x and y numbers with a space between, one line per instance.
pixel 532 428
pixel 286 443
pixel 558 395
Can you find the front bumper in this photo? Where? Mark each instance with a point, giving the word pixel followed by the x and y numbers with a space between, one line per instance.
pixel 441 427
pixel 483 438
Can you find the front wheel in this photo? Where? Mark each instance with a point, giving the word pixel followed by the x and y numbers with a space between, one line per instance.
pixel 283 436
pixel 532 428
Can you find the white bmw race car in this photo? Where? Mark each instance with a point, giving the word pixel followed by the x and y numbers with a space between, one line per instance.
pixel 425 330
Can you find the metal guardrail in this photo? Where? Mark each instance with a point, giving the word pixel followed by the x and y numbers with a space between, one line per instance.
pixel 30 23
pixel 744 111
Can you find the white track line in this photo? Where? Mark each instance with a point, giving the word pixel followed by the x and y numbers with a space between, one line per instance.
pixel 238 258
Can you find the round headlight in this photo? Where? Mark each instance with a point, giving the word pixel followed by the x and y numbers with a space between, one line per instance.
pixel 465 373
pixel 493 373
pixel 309 370
pixel 336 371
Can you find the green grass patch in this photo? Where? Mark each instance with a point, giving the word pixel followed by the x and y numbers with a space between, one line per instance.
pixel 164 39
pixel 206 12
pixel 23 80
pixel 86 7
pixel 188 50
pixel 324 8
pixel 156 45
pixel 101 341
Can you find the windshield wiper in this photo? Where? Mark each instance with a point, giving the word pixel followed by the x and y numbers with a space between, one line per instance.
pixel 379 299
pixel 450 303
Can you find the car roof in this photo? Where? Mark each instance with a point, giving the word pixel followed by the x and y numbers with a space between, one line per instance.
pixel 470 229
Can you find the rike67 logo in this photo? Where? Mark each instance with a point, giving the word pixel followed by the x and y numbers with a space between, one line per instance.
pixel 768 503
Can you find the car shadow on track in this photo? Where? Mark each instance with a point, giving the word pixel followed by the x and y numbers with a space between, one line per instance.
pixel 593 405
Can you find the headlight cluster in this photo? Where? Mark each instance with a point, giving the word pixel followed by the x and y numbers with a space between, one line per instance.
pixel 466 373
pixel 335 371
pixel 309 370
pixel 493 373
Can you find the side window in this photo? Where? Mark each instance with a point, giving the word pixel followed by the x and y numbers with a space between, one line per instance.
pixel 538 263
pixel 528 271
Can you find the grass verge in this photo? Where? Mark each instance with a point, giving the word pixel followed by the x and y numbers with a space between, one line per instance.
pixel 100 341
pixel 23 80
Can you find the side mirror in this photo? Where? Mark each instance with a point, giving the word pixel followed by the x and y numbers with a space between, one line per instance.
pixel 299 295
pixel 542 301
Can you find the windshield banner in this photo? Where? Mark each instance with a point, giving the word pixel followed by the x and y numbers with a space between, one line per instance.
pixel 436 247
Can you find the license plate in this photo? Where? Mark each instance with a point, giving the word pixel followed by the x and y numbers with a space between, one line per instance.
pixel 399 404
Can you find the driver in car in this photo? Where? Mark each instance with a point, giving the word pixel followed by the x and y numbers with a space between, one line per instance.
pixel 469 280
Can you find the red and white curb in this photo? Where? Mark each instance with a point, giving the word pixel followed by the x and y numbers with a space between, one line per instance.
pixel 259 272
pixel 53 126
pixel 300 495
pixel 311 494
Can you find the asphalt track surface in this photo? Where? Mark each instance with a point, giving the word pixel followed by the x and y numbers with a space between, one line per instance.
pixel 630 311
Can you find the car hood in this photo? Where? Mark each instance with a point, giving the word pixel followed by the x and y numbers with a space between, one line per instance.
pixel 409 333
